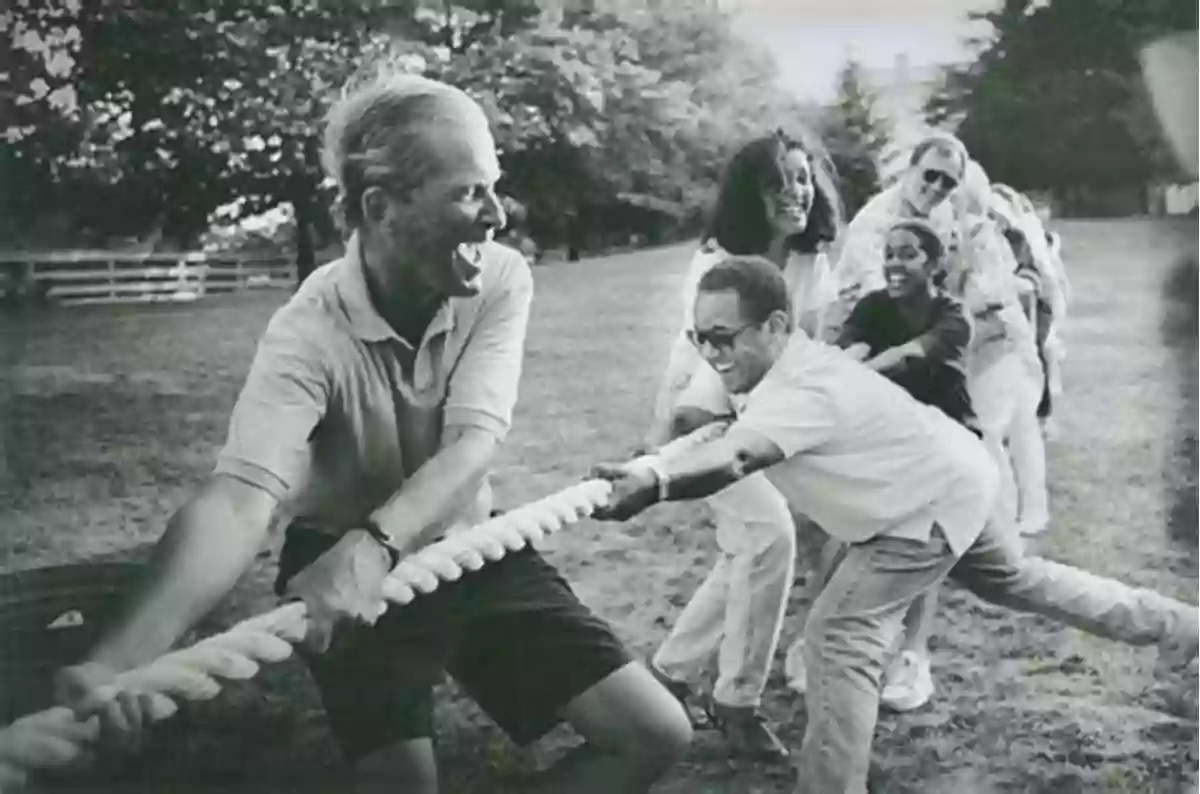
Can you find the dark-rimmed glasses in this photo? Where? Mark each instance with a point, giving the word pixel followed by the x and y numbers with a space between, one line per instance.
pixel 932 176
pixel 721 339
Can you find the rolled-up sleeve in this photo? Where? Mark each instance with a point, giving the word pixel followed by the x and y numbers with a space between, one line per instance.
pixel 483 387
pixel 285 396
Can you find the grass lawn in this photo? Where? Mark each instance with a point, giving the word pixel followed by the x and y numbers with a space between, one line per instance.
pixel 114 413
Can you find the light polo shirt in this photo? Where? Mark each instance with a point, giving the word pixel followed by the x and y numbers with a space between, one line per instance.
pixel 863 458
pixel 338 410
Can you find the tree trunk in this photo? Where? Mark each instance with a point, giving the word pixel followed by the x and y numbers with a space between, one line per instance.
pixel 574 235
pixel 306 260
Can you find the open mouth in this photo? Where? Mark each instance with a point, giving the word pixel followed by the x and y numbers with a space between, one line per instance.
pixel 796 210
pixel 897 277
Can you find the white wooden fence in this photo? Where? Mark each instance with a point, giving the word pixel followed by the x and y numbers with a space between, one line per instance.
pixel 79 277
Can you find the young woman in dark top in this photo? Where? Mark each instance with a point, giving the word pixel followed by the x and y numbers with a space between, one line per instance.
pixel 917 335
pixel 911 331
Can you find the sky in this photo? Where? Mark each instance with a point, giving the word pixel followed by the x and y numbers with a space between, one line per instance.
pixel 811 39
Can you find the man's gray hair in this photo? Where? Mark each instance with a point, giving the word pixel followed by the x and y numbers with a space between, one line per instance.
pixel 373 133
pixel 942 142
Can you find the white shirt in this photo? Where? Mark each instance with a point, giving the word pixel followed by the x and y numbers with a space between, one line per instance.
pixel 864 459
pixel 990 278
pixel 810 285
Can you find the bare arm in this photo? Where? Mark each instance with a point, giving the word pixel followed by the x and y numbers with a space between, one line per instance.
pixel 479 404
pixel 687 419
pixel 209 543
pixel 783 418
pixel 213 538
pixel 429 500
pixel 718 463
pixel 697 465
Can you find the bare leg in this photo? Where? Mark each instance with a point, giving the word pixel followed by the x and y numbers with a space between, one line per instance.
pixel 635 732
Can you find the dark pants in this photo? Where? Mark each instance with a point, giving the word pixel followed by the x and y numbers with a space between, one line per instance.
pixel 513 634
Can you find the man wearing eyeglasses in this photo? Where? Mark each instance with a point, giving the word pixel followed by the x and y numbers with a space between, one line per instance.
pixel 936 166
pixel 906 490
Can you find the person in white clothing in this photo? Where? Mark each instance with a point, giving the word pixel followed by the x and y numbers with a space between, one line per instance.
pixel 931 172
pixel 1026 445
pixel 1003 368
pixel 1051 291
pixel 935 168
pixel 776 199
pixel 905 488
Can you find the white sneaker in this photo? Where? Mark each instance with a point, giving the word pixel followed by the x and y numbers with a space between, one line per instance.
pixel 793 667
pixel 908 682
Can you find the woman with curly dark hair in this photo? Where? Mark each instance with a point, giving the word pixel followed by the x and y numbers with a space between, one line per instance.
pixel 776 200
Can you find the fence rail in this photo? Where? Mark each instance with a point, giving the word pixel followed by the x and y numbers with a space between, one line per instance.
pixel 82 277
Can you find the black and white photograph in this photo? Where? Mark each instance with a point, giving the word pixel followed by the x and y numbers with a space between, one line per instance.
pixel 599 396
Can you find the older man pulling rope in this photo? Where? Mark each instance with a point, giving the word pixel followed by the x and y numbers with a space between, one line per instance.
pixel 60 737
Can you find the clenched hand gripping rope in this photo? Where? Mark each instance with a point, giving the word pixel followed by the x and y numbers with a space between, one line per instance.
pixel 43 740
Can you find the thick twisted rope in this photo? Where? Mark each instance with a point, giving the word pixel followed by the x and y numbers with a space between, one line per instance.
pixel 194 673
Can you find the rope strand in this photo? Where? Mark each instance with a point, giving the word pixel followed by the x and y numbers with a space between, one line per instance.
pixel 195 673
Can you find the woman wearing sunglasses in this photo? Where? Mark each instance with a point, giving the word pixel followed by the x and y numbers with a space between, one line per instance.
pixel 776 199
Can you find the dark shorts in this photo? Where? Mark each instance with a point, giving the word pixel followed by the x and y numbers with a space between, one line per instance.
pixel 513 634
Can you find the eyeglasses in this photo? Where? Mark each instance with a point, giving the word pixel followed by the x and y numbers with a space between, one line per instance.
pixel 940 178
pixel 722 340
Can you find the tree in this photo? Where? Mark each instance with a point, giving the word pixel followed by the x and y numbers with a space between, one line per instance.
pixel 854 137
pixel 1055 98
pixel 217 104
pixel 179 111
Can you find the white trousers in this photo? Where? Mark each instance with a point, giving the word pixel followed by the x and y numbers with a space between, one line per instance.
pixel 1005 396
pixel 738 610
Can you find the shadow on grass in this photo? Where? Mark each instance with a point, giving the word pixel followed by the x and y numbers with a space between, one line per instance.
pixel 1179 328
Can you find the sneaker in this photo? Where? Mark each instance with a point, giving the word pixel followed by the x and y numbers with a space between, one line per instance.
pixel 908 682
pixel 794 668
pixel 747 732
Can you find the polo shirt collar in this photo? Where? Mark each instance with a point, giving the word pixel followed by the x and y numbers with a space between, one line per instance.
pixel 365 320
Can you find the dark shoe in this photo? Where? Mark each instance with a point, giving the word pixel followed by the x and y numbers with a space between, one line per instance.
pixel 747 732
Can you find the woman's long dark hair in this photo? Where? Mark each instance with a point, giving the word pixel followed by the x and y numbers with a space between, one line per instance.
pixel 739 220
